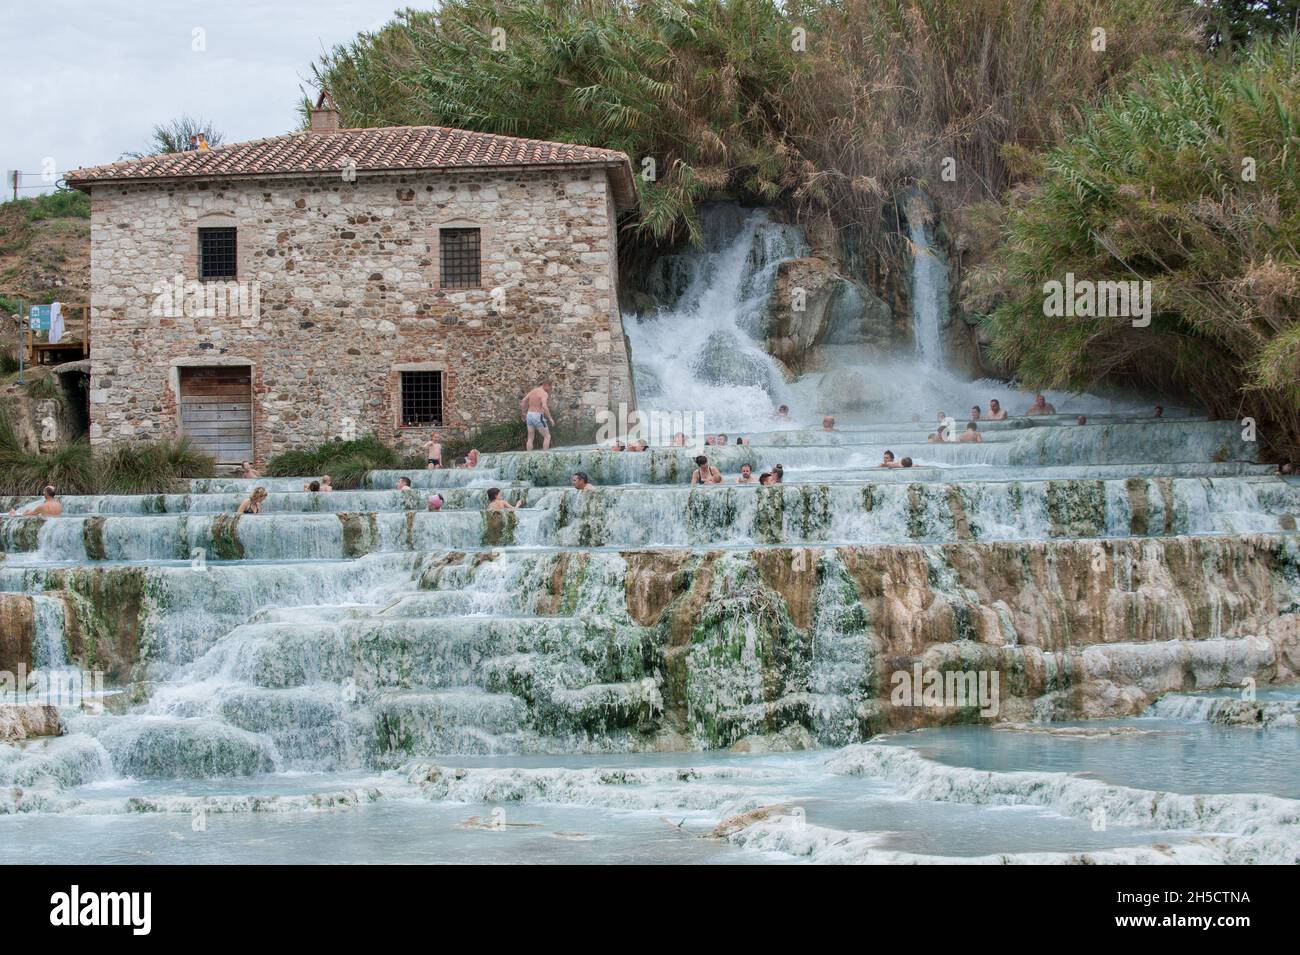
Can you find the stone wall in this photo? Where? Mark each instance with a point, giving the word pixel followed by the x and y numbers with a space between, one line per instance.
pixel 347 281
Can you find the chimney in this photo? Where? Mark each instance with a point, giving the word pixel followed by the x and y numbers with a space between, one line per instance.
pixel 325 114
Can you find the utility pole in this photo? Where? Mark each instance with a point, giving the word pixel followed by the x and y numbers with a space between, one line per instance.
pixel 17 176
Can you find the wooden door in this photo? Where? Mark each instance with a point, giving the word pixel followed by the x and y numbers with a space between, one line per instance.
pixel 217 411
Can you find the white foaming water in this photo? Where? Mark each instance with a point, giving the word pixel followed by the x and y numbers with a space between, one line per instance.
pixel 702 354
pixel 704 351
pixel 494 688
pixel 929 294
pixel 48 652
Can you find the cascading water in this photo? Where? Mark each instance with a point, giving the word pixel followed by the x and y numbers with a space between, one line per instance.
pixel 358 653
pixel 48 651
pixel 929 294
pixel 703 353
pixel 386 677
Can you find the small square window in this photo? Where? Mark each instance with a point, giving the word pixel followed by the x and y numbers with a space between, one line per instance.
pixel 421 398
pixel 460 258
pixel 216 253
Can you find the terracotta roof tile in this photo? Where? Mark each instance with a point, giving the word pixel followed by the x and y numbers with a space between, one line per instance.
pixel 384 149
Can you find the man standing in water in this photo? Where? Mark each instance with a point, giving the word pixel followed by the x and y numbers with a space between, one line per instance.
pixel 537 415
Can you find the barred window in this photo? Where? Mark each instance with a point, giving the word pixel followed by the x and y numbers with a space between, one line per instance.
pixel 421 398
pixel 217 253
pixel 460 258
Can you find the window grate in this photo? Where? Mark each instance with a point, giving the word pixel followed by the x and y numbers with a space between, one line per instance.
pixel 460 258
pixel 216 253
pixel 421 398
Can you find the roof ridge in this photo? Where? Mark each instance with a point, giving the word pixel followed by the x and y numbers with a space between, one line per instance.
pixel 368 149
pixel 295 133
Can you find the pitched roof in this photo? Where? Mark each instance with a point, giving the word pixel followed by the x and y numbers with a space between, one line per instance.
pixel 383 149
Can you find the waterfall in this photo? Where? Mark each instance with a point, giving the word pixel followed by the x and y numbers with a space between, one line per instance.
pixel 929 294
pixel 48 652
pixel 569 659
pixel 703 352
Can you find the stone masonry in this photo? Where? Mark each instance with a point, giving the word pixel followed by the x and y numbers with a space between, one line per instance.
pixel 346 276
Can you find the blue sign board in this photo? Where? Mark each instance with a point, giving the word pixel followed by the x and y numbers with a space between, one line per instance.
pixel 39 318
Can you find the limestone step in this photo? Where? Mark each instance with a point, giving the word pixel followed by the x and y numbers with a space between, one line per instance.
pixel 725 515
pixel 286 502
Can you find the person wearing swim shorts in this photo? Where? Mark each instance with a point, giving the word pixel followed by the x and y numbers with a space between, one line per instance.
pixel 537 415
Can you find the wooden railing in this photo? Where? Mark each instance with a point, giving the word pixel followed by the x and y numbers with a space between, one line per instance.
pixel 76 331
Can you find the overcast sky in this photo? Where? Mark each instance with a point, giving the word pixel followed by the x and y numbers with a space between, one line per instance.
pixel 86 80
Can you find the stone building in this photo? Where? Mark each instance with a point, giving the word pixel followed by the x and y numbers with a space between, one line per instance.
pixel 334 282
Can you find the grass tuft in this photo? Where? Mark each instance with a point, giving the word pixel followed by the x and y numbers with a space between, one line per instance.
pixel 345 461
pixel 141 468
pixel 46 386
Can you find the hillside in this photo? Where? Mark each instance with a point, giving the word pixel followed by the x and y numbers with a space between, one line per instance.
pixel 44 252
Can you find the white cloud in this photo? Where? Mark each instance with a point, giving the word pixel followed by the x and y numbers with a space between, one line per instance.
pixel 89 79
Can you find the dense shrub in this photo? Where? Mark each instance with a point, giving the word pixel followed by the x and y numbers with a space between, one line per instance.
pixel 1188 180
pixel 345 461
pixel 140 468
pixel 726 100
pixel 150 467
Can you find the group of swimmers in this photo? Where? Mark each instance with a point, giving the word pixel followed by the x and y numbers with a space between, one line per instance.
pixel 971 435
pixel 495 502
pixel 637 445
pixel 712 440
pixel 706 473
pixel 1040 406
pixel 253 503
pixel 720 440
